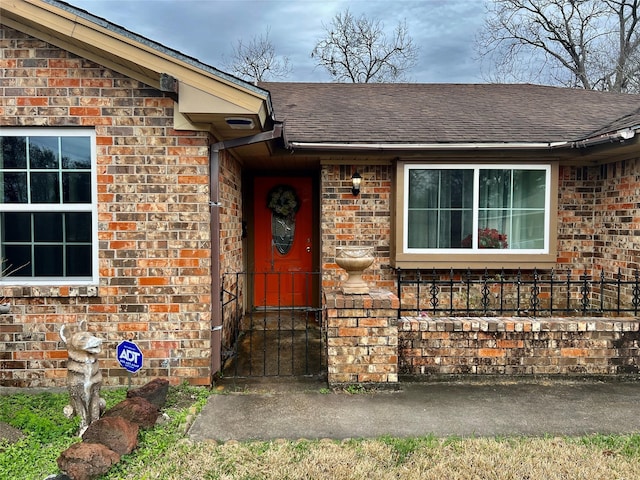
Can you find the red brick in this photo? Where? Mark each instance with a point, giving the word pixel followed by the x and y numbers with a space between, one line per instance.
pixel 352 332
pixel 510 343
pixel 491 352
pixel 153 280
pixel 42 101
pixel 574 352
pixel 64 82
pixel 132 327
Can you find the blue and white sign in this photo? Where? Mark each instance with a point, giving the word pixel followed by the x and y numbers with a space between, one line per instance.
pixel 129 356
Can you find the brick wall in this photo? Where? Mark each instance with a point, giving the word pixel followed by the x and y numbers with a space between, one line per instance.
pixel 231 246
pixel 367 344
pixel 599 224
pixel 579 190
pixel 153 224
pixel 518 346
pixel 616 217
pixel 599 227
pixel 362 337
pixel 361 220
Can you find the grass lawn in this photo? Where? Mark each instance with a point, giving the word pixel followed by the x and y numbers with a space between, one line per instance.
pixel 165 453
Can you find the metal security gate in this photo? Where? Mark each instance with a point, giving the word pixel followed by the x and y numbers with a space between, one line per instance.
pixel 270 341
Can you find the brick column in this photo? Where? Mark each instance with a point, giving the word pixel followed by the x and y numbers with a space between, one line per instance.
pixel 362 337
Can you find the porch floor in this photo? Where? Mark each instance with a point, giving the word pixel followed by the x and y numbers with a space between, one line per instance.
pixel 278 343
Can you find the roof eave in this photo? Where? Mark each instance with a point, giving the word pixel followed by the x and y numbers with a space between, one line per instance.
pixel 107 44
pixel 428 146
pixel 617 136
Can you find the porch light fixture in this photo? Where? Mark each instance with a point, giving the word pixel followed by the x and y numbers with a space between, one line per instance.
pixel 356 180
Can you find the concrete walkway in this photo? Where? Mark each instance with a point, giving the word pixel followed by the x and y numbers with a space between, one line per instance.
pixel 417 409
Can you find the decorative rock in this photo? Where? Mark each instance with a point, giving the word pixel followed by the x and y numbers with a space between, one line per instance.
pixel 163 419
pixel 9 433
pixel 137 410
pixel 86 461
pixel 155 392
pixel 117 433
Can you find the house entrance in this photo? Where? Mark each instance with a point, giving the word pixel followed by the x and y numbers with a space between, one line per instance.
pixel 282 246
pixel 279 331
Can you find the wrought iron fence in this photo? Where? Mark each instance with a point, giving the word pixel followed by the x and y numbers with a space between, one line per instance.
pixel 520 293
pixel 280 339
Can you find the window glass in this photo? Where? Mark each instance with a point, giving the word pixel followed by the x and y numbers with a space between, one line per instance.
pixel 440 208
pixel 78 227
pixel 47 261
pixel 44 152
pixel 47 227
pixel 76 152
pixel 18 258
pixel 13 153
pixel 76 187
pixel 45 188
pixel 78 260
pixel 477 208
pixel 527 230
pixel 531 188
pixel 16 227
pixel 14 187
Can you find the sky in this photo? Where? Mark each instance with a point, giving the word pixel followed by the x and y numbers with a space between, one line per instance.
pixel 208 30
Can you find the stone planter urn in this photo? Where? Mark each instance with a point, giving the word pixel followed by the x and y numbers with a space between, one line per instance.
pixel 354 259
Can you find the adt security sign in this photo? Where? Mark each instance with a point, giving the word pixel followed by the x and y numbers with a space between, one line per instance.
pixel 129 356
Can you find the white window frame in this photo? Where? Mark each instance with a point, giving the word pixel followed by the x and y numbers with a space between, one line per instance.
pixel 60 207
pixel 476 208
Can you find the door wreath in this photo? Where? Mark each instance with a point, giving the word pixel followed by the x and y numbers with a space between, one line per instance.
pixel 284 203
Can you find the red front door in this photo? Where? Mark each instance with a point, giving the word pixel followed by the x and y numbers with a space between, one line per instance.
pixel 283 241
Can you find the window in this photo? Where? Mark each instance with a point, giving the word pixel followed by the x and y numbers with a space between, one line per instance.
pixel 48 205
pixel 471 212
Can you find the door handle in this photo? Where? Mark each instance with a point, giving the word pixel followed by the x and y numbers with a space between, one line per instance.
pixel 308 249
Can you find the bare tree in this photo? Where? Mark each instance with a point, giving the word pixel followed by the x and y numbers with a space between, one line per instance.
pixel 593 44
pixel 357 50
pixel 257 61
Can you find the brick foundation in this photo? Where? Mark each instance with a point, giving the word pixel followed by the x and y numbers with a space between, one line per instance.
pixel 518 346
pixel 362 338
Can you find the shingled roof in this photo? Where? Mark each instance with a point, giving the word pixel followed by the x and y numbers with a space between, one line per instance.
pixel 447 113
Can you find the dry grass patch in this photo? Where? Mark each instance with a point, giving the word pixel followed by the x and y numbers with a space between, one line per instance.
pixel 389 458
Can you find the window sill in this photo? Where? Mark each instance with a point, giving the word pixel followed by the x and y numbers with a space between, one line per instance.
pixel 474 262
pixel 37 291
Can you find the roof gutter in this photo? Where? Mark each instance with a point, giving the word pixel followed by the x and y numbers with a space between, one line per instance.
pixel 619 136
pixel 427 146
